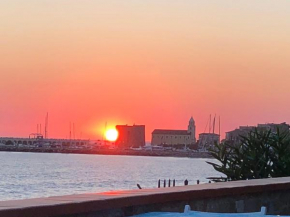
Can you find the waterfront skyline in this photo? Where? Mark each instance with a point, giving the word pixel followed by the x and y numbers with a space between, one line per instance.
pixel 145 62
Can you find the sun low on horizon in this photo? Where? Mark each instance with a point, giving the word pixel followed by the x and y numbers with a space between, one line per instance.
pixel 111 135
pixel 147 62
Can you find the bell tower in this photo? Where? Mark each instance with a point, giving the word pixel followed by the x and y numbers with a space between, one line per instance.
pixel 191 130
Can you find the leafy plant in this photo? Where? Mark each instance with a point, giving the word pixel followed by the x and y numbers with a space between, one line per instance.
pixel 260 154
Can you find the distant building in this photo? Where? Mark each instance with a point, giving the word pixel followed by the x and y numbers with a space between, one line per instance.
pixel 174 137
pixel 130 136
pixel 283 127
pixel 207 140
pixel 235 135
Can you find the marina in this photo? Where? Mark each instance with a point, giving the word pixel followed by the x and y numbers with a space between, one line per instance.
pixel 102 147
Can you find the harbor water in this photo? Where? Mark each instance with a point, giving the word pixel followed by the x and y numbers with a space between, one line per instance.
pixel 32 175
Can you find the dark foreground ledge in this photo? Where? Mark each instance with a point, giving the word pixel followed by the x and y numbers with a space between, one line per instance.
pixel 238 196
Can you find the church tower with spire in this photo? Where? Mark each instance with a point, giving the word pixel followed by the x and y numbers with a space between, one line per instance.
pixel 191 130
pixel 175 137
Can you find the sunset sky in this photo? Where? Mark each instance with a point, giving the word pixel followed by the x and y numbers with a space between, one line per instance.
pixel 152 62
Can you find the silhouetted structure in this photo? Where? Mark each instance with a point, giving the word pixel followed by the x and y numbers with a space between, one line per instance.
pixel 207 140
pixel 130 136
pixel 175 137
pixel 235 135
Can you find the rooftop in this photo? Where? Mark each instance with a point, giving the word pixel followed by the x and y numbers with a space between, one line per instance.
pixel 170 132
pixel 209 134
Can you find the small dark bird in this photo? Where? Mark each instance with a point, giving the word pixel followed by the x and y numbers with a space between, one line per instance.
pixel 139 186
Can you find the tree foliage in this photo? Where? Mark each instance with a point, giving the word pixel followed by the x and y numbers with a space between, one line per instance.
pixel 260 154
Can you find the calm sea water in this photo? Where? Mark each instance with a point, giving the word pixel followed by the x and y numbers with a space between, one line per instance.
pixel 31 175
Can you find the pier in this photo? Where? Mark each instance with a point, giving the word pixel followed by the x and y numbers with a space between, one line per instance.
pixel 40 142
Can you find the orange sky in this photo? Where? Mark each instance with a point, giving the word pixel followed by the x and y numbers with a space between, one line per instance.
pixel 152 62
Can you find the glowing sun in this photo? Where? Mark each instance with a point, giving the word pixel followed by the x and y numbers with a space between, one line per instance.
pixel 111 135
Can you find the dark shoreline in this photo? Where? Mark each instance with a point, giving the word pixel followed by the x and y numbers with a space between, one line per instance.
pixel 113 152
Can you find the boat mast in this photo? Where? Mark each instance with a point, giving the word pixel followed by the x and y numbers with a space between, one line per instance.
pixel 213 124
pixel 74 131
pixel 69 130
pixel 209 128
pixel 46 126
pixel 219 125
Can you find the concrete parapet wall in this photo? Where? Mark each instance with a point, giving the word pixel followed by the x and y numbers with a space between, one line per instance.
pixel 238 196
